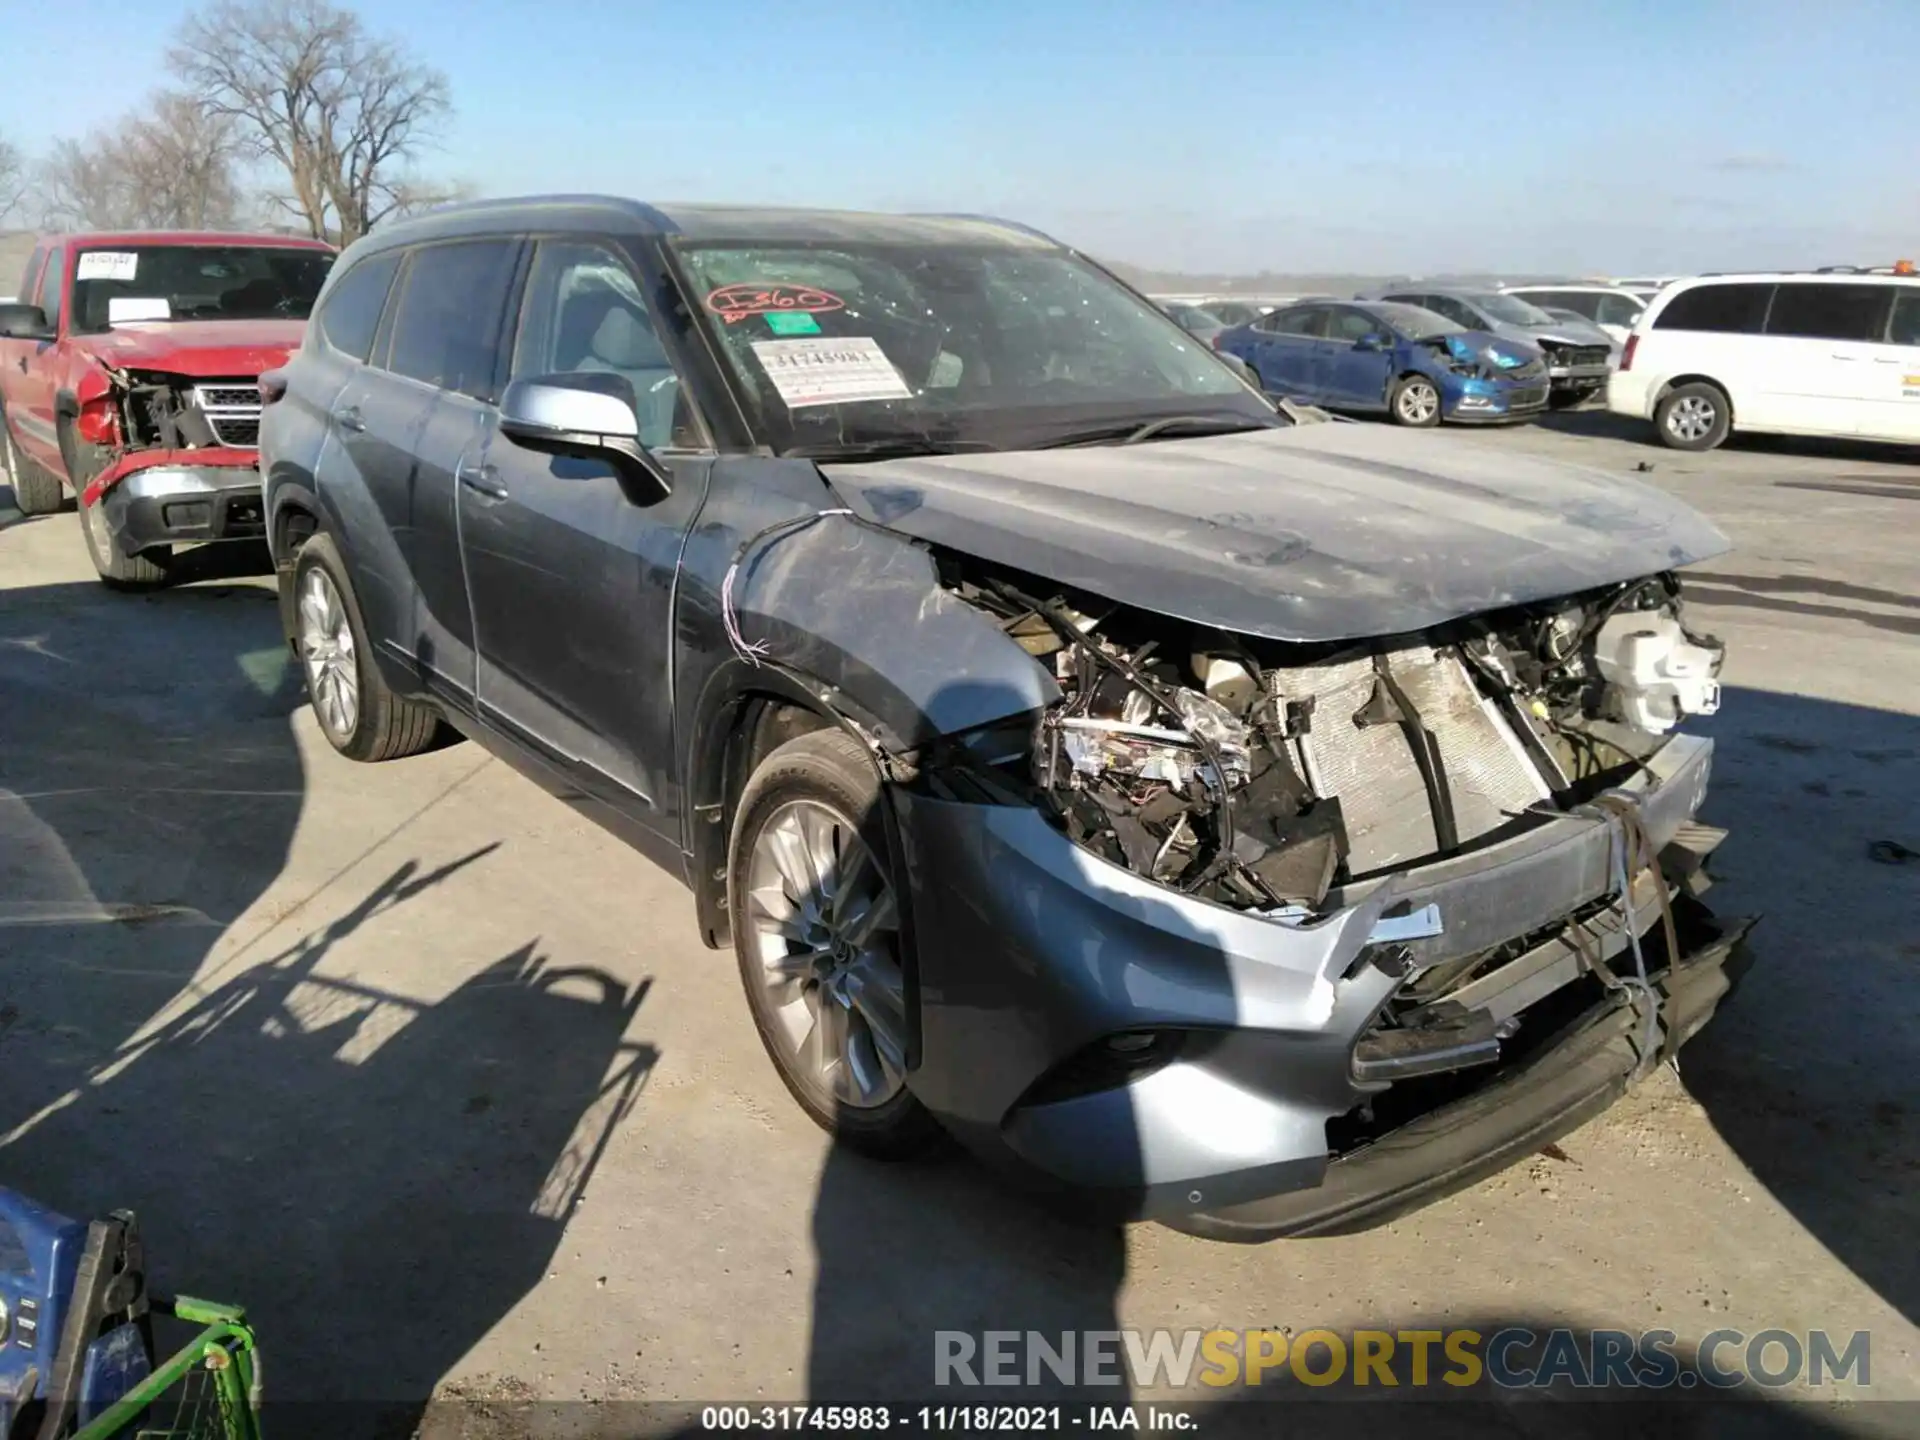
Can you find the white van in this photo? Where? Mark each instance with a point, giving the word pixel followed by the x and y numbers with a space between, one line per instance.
pixel 1786 354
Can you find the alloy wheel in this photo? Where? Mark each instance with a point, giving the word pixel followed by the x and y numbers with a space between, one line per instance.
pixel 1418 402
pixel 826 934
pixel 326 646
pixel 1692 417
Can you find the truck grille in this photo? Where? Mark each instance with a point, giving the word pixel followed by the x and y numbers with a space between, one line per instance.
pixel 233 412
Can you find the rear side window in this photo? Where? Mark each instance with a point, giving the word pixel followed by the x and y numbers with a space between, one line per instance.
pixel 447 328
pixel 1723 309
pixel 1617 309
pixel 1905 329
pixel 350 314
pixel 1831 312
pixel 51 284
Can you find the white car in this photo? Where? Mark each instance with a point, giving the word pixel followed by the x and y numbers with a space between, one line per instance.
pixel 1613 309
pixel 1782 354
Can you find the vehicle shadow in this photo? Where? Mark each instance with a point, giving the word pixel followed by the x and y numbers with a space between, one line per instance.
pixel 1809 1073
pixel 377 1178
pixel 1602 424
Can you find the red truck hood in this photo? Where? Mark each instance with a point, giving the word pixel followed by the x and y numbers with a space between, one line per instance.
pixel 197 347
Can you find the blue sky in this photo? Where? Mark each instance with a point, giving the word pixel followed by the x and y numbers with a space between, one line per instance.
pixel 1349 135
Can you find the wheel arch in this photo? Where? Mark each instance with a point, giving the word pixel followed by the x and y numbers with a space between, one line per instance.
pixel 1674 382
pixel 740 720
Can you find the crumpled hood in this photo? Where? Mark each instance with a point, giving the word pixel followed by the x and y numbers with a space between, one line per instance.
pixel 1484 345
pixel 198 347
pixel 1320 532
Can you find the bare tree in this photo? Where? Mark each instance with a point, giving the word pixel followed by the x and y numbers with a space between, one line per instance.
pixel 13 178
pixel 341 112
pixel 168 167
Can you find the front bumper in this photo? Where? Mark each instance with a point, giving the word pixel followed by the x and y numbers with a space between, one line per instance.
pixel 1487 403
pixel 182 504
pixel 1577 379
pixel 1030 953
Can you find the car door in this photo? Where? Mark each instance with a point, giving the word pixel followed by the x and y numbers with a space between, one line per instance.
pixel 408 421
pixel 1352 377
pixel 1896 409
pixel 1825 362
pixel 31 386
pixel 571 580
pixel 1287 351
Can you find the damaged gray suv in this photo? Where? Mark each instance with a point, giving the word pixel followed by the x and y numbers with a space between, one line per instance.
pixel 1209 812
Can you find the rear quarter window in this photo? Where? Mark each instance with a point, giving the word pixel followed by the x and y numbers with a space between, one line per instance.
pixel 1831 312
pixel 1738 309
pixel 350 314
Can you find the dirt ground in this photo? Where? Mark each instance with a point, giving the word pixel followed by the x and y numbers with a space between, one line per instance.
pixel 436 1077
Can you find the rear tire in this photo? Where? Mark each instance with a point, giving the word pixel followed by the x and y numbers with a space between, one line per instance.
pixel 1695 416
pixel 1414 401
pixel 36 491
pixel 358 712
pixel 816 934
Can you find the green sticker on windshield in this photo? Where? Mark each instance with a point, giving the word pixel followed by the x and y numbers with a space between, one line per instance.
pixel 792 322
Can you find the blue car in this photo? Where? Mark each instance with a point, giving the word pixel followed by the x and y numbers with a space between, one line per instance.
pixel 1372 355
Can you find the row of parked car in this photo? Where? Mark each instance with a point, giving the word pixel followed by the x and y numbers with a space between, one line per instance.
pixel 1184 801
pixel 1834 352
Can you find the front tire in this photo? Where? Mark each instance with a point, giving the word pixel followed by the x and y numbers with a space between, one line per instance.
pixel 1415 401
pixel 1695 416
pixel 36 491
pixel 816 931
pixel 358 712
pixel 117 569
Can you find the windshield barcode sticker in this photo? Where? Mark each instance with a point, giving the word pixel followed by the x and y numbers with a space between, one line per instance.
pixel 107 265
pixel 830 372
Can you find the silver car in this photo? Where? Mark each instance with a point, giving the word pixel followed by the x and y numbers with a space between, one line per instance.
pixel 1205 811
pixel 1579 353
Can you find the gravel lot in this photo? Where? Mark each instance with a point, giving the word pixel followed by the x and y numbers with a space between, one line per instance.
pixel 435 1077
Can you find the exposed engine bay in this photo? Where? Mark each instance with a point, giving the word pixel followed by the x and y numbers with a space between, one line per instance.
pixel 155 410
pixel 1261 775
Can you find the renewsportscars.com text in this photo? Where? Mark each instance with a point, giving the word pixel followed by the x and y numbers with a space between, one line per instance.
pixel 1515 1357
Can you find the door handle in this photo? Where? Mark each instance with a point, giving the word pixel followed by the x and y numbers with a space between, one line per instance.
pixel 482 480
pixel 1888 360
pixel 22 363
pixel 349 419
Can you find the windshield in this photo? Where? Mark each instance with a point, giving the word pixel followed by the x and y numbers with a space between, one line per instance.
pixel 1412 321
pixel 1511 309
pixel 195 282
pixel 837 346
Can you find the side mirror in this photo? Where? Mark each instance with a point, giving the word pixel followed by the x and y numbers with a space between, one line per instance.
pixel 24 322
pixel 1239 367
pixel 1371 342
pixel 588 415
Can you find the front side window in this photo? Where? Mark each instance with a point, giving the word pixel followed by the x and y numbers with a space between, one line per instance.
pixel 350 314
pixel 584 312
pixel 1351 325
pixel 447 328
pixel 30 277
pixel 195 282
pixel 1739 309
pixel 50 281
pixel 1002 345
pixel 1414 322
pixel 1830 312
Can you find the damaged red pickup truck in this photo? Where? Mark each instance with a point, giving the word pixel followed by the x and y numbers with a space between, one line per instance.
pixel 128 375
